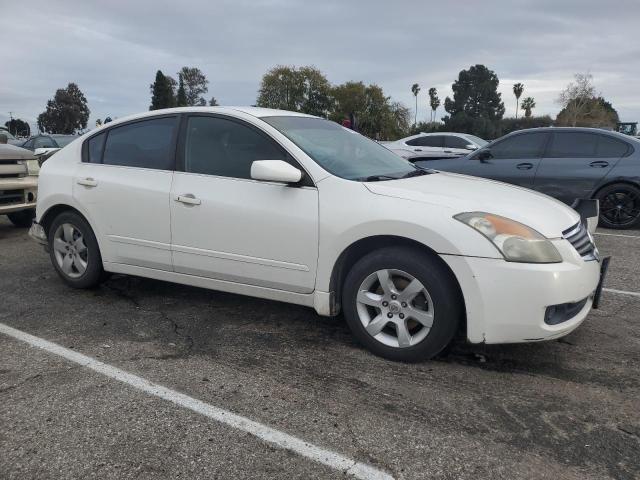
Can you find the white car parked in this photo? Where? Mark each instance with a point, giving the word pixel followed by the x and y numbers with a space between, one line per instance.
pixel 295 208
pixel 436 145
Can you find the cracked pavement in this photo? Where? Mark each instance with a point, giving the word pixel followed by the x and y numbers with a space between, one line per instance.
pixel 566 409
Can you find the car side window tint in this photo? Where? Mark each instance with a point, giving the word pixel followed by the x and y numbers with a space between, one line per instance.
pixel 525 145
pixel 44 142
pixel 95 148
pixel 144 144
pixel 28 144
pixel 414 142
pixel 451 141
pixel 610 147
pixel 226 148
pixel 573 145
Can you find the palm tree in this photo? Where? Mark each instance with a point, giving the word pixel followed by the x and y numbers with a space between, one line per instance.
pixel 527 105
pixel 518 88
pixel 415 89
pixel 434 102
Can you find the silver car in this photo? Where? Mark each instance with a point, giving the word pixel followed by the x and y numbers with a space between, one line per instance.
pixel 436 145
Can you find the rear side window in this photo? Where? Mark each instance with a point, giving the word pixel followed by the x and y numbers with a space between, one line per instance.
pixel 455 142
pixel 216 146
pixel 44 142
pixel 427 141
pixel 610 147
pixel 145 144
pixel 526 145
pixel 95 148
pixel 573 145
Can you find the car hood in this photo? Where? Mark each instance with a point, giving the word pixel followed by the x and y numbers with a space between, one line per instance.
pixel 462 193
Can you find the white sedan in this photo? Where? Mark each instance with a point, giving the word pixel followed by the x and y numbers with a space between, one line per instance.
pixel 295 208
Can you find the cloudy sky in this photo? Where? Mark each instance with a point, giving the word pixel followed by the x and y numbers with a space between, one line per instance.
pixel 113 48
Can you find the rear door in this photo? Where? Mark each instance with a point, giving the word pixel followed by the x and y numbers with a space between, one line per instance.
pixel 124 183
pixel 427 144
pixel 576 162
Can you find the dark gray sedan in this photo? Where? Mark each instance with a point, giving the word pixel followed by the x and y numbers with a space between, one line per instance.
pixel 565 163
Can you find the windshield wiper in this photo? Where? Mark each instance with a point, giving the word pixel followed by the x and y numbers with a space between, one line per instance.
pixel 377 178
pixel 415 173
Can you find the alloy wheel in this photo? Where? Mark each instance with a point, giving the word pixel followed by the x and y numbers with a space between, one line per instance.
pixel 70 250
pixel 395 308
pixel 621 207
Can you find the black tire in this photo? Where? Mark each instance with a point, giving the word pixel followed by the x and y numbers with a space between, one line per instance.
pixel 619 206
pixel 443 289
pixel 23 218
pixel 94 273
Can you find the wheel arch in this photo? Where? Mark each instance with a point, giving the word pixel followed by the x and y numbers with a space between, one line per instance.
pixel 613 181
pixel 359 248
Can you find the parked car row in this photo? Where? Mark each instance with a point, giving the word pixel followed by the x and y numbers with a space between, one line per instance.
pixel 435 145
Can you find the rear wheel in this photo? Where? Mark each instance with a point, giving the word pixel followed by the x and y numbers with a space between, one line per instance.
pixel 619 206
pixel 402 304
pixel 23 218
pixel 74 251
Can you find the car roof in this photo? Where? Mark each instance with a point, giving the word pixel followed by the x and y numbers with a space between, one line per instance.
pixel 573 129
pixel 11 152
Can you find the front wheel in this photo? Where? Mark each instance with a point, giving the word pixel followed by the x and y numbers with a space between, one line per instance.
pixel 619 206
pixel 402 304
pixel 74 251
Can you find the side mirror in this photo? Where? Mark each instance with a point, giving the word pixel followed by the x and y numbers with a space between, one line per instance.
pixel 275 171
pixel 471 147
pixel 484 155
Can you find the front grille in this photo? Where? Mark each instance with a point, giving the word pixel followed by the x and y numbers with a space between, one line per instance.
pixel 12 169
pixel 579 237
pixel 8 197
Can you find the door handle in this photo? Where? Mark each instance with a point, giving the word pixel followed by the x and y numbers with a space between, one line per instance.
pixel 188 199
pixel 599 164
pixel 417 149
pixel 524 166
pixel 87 182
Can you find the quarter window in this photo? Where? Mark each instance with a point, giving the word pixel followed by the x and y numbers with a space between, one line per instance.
pixel 526 145
pixel 144 144
pixel 216 146
pixel 95 148
pixel 610 147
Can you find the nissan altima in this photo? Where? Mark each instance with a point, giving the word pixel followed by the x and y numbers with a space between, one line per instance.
pixel 298 209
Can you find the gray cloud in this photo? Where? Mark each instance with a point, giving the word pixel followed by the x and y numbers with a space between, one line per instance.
pixel 112 49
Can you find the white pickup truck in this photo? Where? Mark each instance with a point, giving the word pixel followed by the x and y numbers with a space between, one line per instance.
pixel 19 169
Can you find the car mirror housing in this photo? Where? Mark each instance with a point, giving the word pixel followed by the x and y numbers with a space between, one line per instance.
pixel 471 147
pixel 275 171
pixel 484 155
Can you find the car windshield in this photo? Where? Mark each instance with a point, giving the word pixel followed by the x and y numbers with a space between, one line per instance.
pixel 341 151
pixel 64 140
pixel 477 140
pixel 8 134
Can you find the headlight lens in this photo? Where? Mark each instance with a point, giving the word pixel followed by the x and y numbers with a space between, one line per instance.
pixel 33 167
pixel 516 242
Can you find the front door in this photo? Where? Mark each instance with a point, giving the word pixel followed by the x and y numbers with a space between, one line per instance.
pixel 229 227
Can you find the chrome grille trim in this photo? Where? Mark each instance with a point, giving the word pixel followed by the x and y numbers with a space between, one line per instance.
pixel 582 241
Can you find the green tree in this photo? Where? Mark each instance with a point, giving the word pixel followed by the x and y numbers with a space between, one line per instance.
pixel 213 102
pixel 66 113
pixel 162 95
pixel 583 107
pixel 476 106
pixel 415 89
pixel 518 88
pixel 18 127
pixel 376 115
pixel 434 102
pixel 195 84
pixel 528 104
pixel 181 96
pixel 303 89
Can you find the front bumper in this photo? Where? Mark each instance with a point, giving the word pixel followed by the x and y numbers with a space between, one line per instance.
pixel 25 187
pixel 506 302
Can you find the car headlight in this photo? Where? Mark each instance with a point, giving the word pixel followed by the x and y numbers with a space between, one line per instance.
pixel 516 242
pixel 33 167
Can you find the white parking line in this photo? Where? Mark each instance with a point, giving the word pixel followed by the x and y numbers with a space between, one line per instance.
pixel 263 432
pixel 621 292
pixel 617 235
